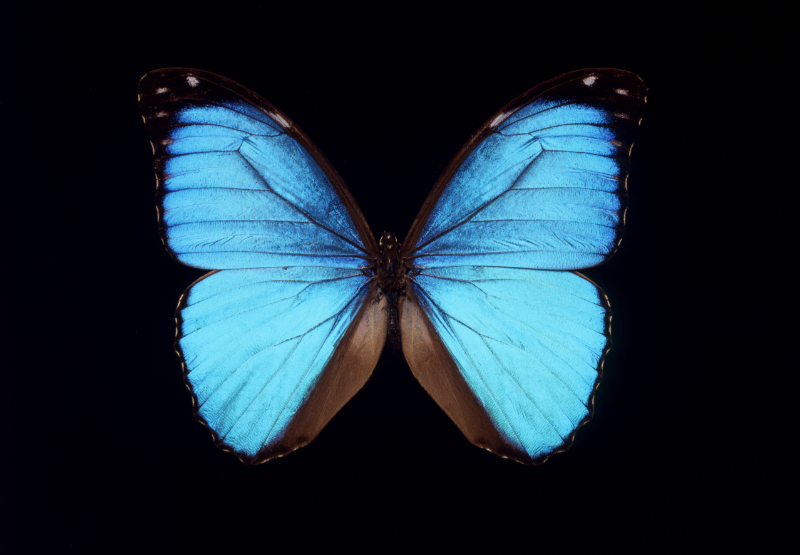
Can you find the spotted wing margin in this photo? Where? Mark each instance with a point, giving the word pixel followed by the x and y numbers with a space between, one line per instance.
pixel 514 357
pixel 239 185
pixel 271 355
pixel 541 184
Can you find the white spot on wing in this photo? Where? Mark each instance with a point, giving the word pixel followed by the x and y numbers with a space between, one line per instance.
pixel 496 121
pixel 620 115
pixel 160 115
pixel 280 120
pixel 162 90
pixel 589 81
pixel 623 92
pixel 193 81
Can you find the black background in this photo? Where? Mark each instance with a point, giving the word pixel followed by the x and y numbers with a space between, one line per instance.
pixel 102 449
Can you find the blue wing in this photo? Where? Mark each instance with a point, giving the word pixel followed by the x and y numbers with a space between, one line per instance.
pixel 540 187
pixel 528 343
pixel 543 184
pixel 275 343
pixel 239 185
pixel 255 344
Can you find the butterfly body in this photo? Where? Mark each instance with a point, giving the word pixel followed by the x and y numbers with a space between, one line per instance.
pixel 481 294
pixel 392 272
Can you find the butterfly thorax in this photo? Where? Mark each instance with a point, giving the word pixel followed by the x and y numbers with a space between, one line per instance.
pixel 391 270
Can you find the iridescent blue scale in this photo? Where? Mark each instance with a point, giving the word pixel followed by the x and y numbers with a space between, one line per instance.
pixel 244 194
pixel 291 324
pixel 527 342
pixel 542 191
pixel 256 341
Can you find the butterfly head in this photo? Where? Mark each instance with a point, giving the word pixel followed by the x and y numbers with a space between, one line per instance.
pixel 389 242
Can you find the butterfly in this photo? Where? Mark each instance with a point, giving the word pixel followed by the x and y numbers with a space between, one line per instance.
pixel 482 294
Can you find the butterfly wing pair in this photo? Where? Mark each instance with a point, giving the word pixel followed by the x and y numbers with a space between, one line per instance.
pixel 291 324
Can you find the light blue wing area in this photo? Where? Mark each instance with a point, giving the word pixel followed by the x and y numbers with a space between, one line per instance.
pixel 255 342
pixel 236 188
pixel 546 187
pixel 529 344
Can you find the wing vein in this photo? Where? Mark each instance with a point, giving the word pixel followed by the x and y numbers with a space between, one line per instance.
pixel 359 247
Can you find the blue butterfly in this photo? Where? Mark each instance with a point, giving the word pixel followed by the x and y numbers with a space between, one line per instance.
pixel 291 322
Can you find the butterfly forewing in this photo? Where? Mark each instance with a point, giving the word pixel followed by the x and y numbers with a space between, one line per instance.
pixel 542 184
pixel 239 185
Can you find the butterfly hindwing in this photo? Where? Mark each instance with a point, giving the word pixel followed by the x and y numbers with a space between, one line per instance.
pixel 291 327
pixel 527 344
pixel 268 355
pixel 539 189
